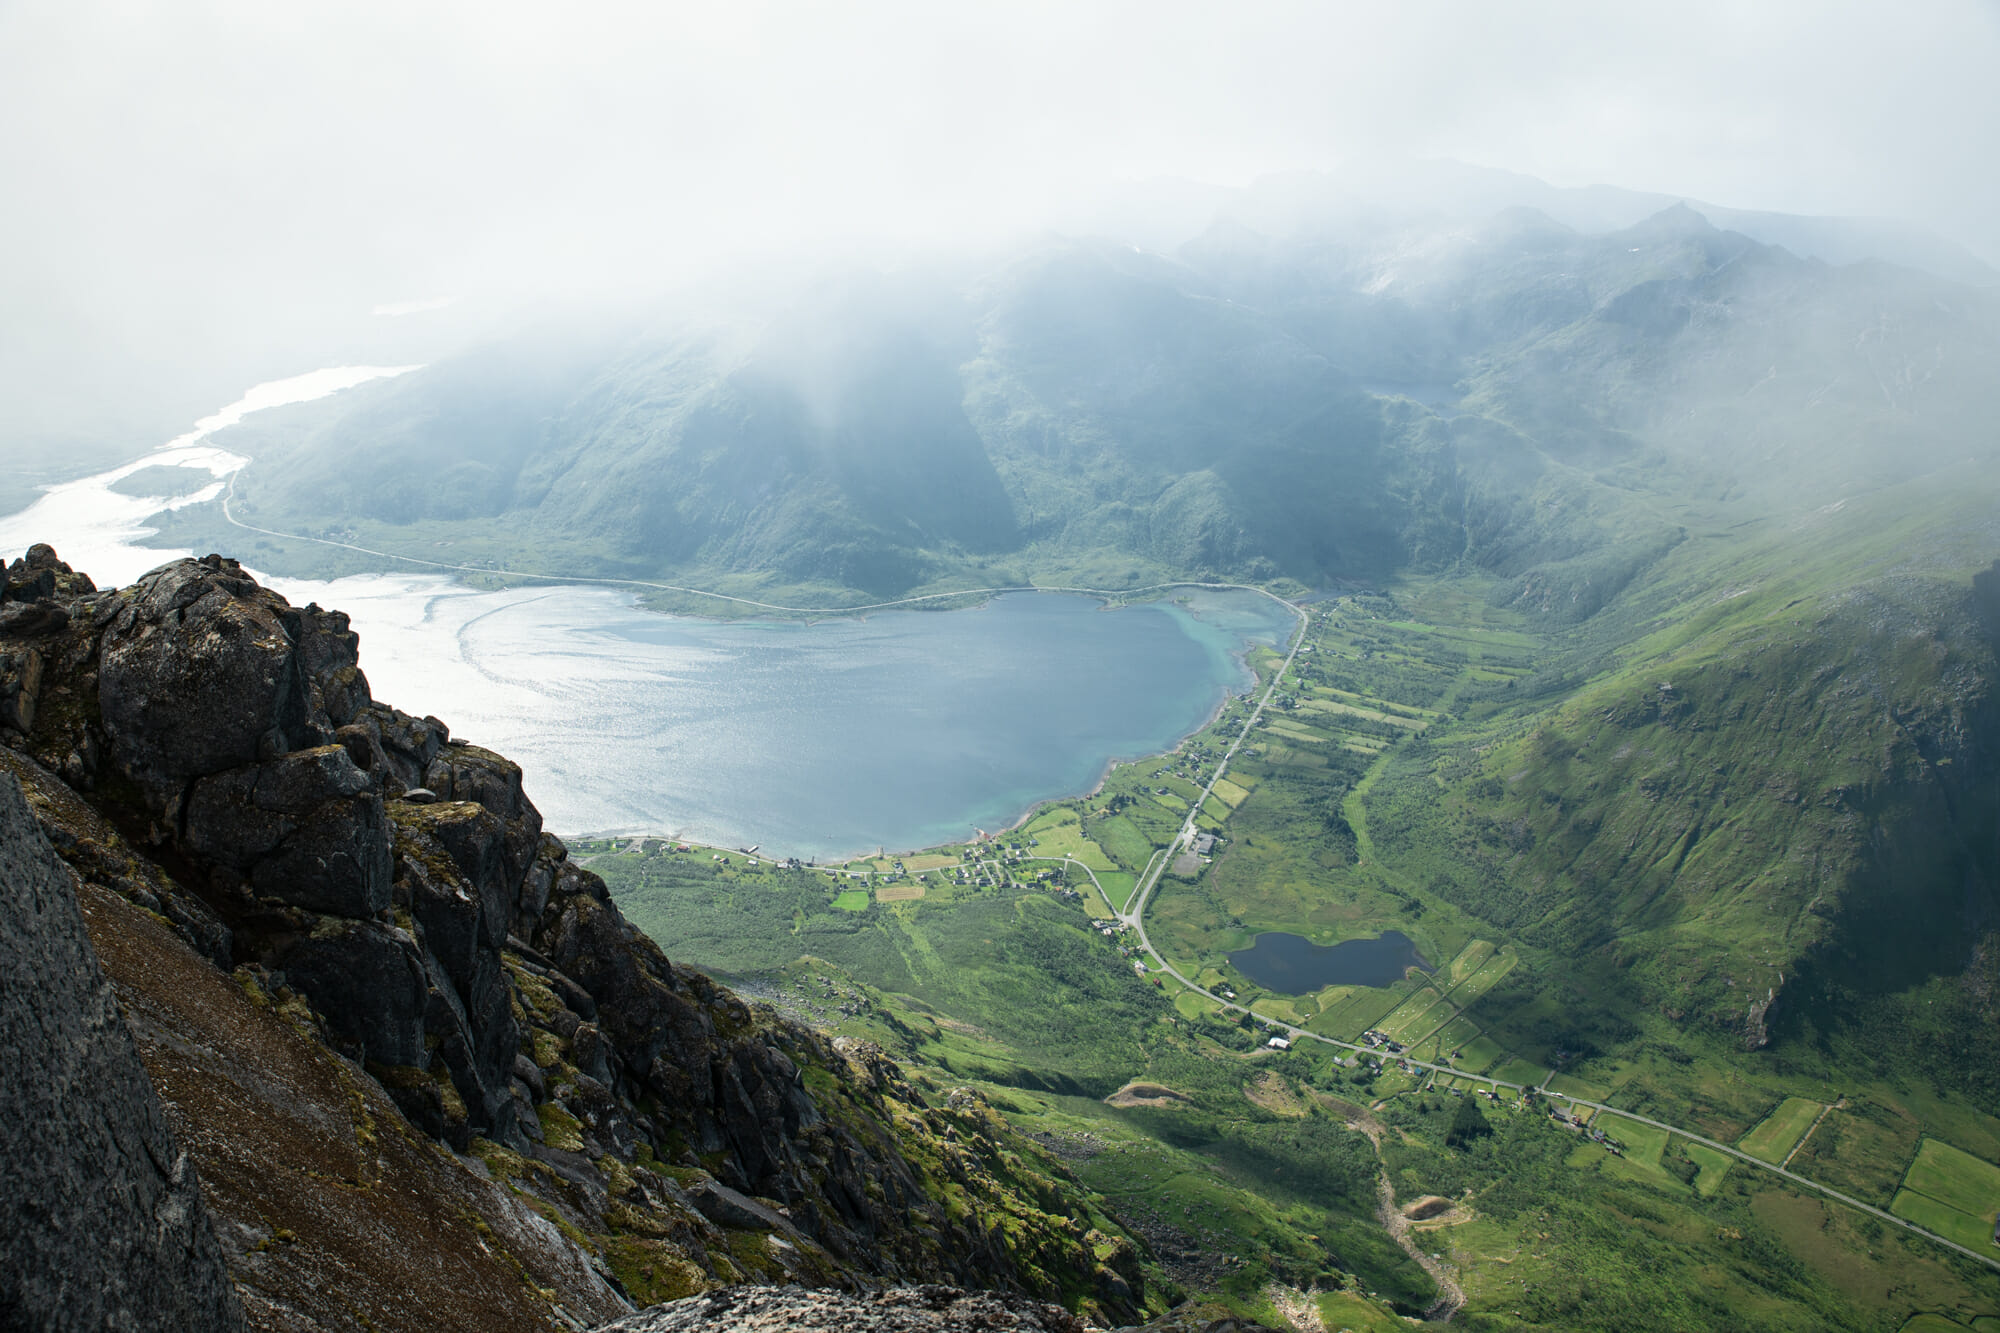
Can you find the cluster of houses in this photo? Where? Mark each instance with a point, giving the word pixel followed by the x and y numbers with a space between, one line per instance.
pixel 1381 1041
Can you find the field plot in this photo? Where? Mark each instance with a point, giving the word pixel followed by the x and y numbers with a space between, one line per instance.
pixel 1470 959
pixel 851 900
pixel 1863 1150
pixel 1294 732
pixel 1480 1054
pixel 1356 1014
pixel 1576 1087
pixel 1956 1179
pixel 1714 1166
pixel 1123 842
pixel 1413 1017
pixel 1520 1071
pixel 1973 1233
pixel 1457 1034
pixel 899 893
pixel 1229 793
pixel 1498 965
pixel 1117 886
pixel 1194 1006
pixel 1069 840
pixel 1779 1132
pixel 1643 1143
pixel 920 862
pixel 1932 1323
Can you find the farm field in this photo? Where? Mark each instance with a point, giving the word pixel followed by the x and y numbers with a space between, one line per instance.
pixel 1469 960
pixel 1863 1149
pixel 1972 1232
pixel 1779 1132
pixel 1481 1054
pixel 1489 975
pixel 1956 1179
pixel 1413 1018
pixel 1714 1166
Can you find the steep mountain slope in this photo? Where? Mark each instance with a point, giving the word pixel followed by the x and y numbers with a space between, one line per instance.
pixel 428 1075
pixel 1314 406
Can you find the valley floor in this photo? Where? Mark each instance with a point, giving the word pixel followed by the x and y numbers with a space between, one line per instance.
pixel 1807 1198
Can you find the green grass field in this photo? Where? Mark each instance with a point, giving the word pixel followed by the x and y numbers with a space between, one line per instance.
pixel 1229 793
pixel 1469 960
pixel 1714 1167
pixel 1643 1143
pixel 1956 1179
pixel 1863 1150
pixel 851 900
pixel 1516 1070
pixel 1481 1054
pixel 1412 1017
pixel 1360 1011
pixel 1489 974
pixel 1975 1233
pixel 1118 886
pixel 1779 1132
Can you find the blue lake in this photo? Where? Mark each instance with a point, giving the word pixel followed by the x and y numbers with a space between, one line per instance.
pixel 1294 965
pixel 900 730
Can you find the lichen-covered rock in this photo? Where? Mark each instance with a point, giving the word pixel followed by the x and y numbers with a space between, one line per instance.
pixel 102 1223
pixel 20 686
pixel 305 828
pixel 200 673
pixel 368 980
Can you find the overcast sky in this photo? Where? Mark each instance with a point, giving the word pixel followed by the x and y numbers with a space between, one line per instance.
pixel 367 152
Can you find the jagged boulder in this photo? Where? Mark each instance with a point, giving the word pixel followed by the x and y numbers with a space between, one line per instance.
pixel 305 828
pixel 199 674
pixel 102 1223
pixel 368 980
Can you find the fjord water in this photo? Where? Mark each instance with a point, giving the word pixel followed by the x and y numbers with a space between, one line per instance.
pixel 1294 965
pixel 900 730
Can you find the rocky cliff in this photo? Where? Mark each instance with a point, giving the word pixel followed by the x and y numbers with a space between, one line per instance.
pixel 428 1074
pixel 102 1212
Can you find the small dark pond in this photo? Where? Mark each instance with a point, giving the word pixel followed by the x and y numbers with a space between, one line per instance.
pixel 1294 965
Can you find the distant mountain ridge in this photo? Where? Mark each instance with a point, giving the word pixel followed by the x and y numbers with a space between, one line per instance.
pixel 1308 409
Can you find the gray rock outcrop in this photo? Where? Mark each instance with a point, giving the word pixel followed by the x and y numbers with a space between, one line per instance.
pixel 927 1309
pixel 102 1223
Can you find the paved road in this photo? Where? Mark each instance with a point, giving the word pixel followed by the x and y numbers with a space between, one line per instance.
pixel 1135 919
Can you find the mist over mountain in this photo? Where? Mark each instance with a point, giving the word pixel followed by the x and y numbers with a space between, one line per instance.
pixel 1339 401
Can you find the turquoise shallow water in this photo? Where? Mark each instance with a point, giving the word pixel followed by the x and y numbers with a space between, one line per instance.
pixel 901 730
